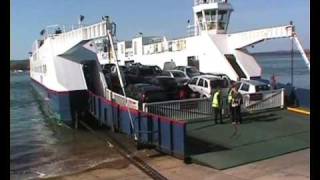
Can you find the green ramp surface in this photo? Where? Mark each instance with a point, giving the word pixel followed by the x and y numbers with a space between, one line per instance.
pixel 261 135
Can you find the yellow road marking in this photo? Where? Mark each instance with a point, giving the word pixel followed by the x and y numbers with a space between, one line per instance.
pixel 301 111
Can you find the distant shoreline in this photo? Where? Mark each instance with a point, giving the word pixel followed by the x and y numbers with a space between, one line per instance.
pixel 20 65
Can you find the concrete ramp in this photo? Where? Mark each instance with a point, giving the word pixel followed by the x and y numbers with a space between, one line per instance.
pixel 261 136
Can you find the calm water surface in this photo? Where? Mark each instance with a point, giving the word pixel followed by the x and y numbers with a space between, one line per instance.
pixel 38 146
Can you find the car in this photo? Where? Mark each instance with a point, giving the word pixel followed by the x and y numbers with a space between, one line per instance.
pixel 168 84
pixel 253 88
pixel 146 93
pixel 178 75
pixel 170 65
pixel 205 85
pixel 221 75
pixel 185 92
pixel 112 78
pixel 189 71
pixel 141 73
pixel 106 68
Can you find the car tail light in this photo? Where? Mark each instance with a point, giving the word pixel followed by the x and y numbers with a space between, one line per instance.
pixel 182 94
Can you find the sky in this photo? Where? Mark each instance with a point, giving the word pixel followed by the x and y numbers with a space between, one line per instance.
pixel 163 18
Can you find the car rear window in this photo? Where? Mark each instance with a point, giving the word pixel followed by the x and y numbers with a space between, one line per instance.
pixel 262 88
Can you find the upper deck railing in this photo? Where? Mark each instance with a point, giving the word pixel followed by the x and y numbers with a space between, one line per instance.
pixel 198 2
pixel 67 39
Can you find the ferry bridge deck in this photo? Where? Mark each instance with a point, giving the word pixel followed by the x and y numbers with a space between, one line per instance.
pixel 261 135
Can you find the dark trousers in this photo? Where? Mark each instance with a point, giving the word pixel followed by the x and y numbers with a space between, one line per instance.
pixel 217 111
pixel 236 114
pixel 238 109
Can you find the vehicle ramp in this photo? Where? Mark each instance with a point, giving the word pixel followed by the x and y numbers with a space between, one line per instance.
pixel 260 136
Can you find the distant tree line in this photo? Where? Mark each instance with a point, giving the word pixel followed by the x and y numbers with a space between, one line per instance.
pixel 19 65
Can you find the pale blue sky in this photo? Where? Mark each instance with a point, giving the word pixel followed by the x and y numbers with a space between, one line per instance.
pixel 164 17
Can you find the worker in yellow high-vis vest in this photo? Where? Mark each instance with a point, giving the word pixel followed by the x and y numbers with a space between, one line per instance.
pixel 217 105
pixel 231 94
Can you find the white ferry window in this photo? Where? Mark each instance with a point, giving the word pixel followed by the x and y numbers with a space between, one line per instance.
pixel 211 18
pixel 200 19
pixel 245 87
pixel 222 18
pixel 200 82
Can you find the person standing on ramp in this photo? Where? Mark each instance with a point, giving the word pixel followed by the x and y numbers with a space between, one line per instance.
pixel 217 104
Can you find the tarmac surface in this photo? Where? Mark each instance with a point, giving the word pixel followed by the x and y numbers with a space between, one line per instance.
pixel 292 166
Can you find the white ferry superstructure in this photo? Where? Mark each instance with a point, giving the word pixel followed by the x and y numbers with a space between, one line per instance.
pixel 208 45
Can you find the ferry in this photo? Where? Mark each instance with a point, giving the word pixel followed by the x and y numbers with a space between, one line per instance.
pixel 207 45
pixel 66 70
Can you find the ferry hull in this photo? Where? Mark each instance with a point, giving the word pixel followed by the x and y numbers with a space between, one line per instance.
pixel 62 105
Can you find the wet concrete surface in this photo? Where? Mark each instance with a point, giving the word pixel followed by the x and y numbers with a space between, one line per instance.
pixel 291 166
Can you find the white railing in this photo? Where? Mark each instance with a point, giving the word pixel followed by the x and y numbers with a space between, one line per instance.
pixel 123 101
pixel 242 39
pixel 197 2
pixel 270 99
pixel 67 40
pixel 108 94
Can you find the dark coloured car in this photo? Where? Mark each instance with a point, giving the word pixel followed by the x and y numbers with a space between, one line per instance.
pixel 142 73
pixel 190 71
pixel 168 84
pixel 146 93
pixel 106 68
pixel 113 79
pixel 178 75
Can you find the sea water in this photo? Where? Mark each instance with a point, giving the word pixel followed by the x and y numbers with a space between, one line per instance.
pixel 39 147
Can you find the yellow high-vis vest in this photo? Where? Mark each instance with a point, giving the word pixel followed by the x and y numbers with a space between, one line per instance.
pixel 215 101
pixel 230 98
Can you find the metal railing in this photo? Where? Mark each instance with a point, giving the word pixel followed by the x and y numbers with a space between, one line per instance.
pixel 198 2
pixel 201 108
pixel 270 99
pixel 198 108
pixel 123 101
pixel 108 94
